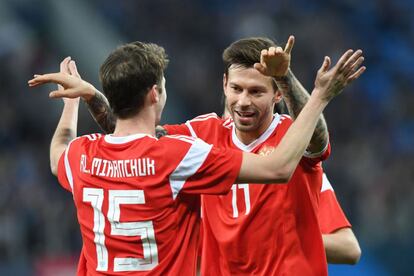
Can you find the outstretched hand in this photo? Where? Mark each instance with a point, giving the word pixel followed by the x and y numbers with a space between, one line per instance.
pixel 275 62
pixel 73 86
pixel 331 82
pixel 68 66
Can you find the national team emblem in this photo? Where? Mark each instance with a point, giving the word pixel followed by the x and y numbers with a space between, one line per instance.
pixel 266 150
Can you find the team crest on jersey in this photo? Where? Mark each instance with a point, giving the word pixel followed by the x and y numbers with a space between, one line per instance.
pixel 266 150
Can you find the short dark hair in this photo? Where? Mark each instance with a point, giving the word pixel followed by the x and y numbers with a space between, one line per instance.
pixel 246 52
pixel 128 73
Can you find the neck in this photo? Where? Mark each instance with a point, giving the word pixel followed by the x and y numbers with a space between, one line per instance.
pixel 247 137
pixel 143 122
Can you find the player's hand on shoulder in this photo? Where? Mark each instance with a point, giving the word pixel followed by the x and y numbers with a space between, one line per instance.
pixel 275 62
pixel 331 81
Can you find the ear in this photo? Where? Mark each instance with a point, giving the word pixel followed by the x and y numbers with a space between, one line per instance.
pixel 277 97
pixel 153 94
pixel 225 80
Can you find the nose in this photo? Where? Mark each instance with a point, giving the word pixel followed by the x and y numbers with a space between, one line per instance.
pixel 244 99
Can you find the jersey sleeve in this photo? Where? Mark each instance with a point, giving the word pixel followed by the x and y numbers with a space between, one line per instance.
pixel 205 169
pixel 181 129
pixel 66 164
pixel 309 158
pixel 62 174
pixel 199 127
pixel 330 214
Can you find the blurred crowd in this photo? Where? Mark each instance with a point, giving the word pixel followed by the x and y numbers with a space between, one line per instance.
pixel 371 124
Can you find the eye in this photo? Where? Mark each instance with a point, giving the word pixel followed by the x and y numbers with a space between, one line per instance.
pixel 256 92
pixel 236 88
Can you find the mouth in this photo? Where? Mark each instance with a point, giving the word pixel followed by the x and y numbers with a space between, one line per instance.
pixel 246 114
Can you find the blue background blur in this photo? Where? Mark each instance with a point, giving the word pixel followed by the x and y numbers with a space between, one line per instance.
pixel 371 125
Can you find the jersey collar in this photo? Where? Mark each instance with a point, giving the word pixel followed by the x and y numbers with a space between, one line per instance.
pixel 259 140
pixel 110 139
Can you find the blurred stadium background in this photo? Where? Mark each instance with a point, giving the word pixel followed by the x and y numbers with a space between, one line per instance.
pixel 371 125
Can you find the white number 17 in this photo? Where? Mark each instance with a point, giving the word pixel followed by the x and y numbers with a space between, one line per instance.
pixel 234 188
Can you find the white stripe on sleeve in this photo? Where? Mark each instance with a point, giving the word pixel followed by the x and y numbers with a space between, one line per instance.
pixel 67 167
pixel 190 164
pixel 326 185
pixel 188 124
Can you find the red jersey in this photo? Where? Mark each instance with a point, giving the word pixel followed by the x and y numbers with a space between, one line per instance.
pixel 330 214
pixel 137 200
pixel 260 229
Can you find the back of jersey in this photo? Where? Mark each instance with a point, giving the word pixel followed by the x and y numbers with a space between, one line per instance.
pixel 137 200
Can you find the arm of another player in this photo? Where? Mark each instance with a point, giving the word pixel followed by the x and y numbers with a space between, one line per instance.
pixel 67 127
pixel 275 62
pixel 341 246
pixel 281 163
pixel 97 103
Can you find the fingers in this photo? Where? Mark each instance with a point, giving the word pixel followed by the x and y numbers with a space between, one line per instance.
pixel 356 74
pixel 73 70
pixel 64 65
pixel 352 60
pixel 344 58
pixel 289 44
pixel 67 93
pixel 353 67
pixel 325 65
pixel 58 78
pixel 260 68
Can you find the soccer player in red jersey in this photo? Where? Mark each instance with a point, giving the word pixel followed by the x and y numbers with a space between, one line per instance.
pixel 137 196
pixel 282 220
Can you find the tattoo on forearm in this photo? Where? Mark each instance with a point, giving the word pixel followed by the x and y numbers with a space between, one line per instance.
pixel 65 135
pixel 99 108
pixel 295 97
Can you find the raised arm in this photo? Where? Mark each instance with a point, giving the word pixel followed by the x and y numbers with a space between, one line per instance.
pixel 96 102
pixel 100 110
pixel 67 126
pixel 295 97
pixel 280 165
pixel 275 62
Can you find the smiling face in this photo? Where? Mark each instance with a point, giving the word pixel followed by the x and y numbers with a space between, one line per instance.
pixel 250 99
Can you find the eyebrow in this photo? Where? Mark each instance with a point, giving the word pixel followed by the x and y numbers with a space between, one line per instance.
pixel 257 87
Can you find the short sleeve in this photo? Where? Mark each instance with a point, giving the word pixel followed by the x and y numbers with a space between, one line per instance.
pixel 319 156
pixel 62 175
pixel 205 169
pixel 330 214
pixel 199 127
pixel 181 129
pixel 310 160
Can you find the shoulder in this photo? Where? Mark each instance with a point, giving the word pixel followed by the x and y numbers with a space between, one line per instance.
pixel 178 139
pixel 85 139
pixel 285 119
pixel 326 184
pixel 206 117
pixel 208 125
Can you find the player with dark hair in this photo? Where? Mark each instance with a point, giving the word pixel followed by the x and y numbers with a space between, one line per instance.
pixel 283 220
pixel 137 196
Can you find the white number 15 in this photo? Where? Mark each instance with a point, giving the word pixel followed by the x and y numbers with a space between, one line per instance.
pixel 144 229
